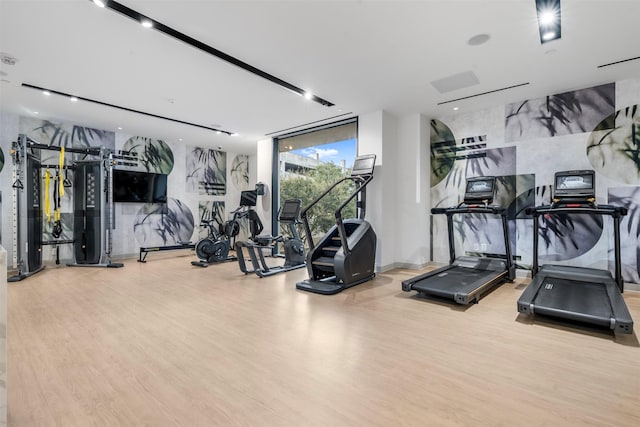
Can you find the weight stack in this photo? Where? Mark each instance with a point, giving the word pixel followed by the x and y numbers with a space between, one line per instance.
pixel 89 205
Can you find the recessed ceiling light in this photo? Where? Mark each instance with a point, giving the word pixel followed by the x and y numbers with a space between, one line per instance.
pixel 73 99
pixel 549 13
pixel 218 132
pixel 35 112
pixel 146 23
pixel 308 95
pixel 119 127
pixel 46 92
pixel 235 134
pixel 547 17
pixel 99 3
pixel 456 108
pixel 179 139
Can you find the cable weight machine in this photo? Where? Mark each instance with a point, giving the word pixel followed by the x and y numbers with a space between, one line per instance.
pixel 92 205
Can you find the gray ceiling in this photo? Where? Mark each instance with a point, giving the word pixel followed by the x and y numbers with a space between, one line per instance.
pixel 361 55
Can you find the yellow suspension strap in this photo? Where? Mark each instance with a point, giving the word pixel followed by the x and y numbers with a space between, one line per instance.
pixel 47 201
pixel 60 182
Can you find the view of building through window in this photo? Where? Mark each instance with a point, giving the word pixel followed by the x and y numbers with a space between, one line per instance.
pixel 306 171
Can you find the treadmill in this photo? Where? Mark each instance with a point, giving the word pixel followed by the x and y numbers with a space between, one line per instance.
pixel 467 278
pixel 578 294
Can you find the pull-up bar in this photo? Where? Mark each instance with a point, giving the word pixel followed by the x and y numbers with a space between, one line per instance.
pixel 40 146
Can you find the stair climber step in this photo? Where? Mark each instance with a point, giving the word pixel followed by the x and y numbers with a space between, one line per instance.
pixel 323 261
pixel 330 250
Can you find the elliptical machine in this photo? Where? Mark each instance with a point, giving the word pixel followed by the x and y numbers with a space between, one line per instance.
pixel 294 253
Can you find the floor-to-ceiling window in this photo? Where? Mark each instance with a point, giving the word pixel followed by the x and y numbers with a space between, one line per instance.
pixel 309 162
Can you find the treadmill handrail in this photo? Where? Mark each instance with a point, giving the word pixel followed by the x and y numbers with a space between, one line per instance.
pixel 616 212
pixel 467 209
pixel 599 210
pixel 496 210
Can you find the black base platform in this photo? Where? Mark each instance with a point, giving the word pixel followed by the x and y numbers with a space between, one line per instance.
pixel 205 264
pixel 579 294
pixel 465 281
pixel 328 286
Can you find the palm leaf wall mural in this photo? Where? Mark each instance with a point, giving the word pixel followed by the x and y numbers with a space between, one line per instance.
pixel 61 134
pixel 163 224
pixel 210 210
pixel 628 197
pixel 240 172
pixel 154 155
pixel 206 171
pixel 615 152
pixel 442 150
pixel 562 114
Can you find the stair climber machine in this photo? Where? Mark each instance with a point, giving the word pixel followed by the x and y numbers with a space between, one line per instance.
pixel 294 257
pixel 578 294
pixel 467 278
pixel 345 255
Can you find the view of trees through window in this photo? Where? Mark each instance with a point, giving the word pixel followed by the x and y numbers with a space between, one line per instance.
pixel 306 172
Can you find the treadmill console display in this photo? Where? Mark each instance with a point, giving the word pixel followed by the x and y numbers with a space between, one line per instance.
pixel 363 165
pixel 480 189
pixel 575 185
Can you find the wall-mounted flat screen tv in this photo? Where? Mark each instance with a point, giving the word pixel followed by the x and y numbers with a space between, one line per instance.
pixel 139 187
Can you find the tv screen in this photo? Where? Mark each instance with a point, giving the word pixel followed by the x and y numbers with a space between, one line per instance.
pixel 248 198
pixel 139 187
pixel 574 182
pixel 579 184
pixel 479 189
pixel 480 186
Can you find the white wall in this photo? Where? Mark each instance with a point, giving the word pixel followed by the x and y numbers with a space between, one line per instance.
pixel 398 197
pixel 412 192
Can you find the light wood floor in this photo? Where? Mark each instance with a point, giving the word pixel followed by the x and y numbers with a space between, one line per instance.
pixel 165 343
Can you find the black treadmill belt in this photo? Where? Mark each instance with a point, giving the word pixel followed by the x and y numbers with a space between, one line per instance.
pixel 455 281
pixel 458 277
pixel 574 296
